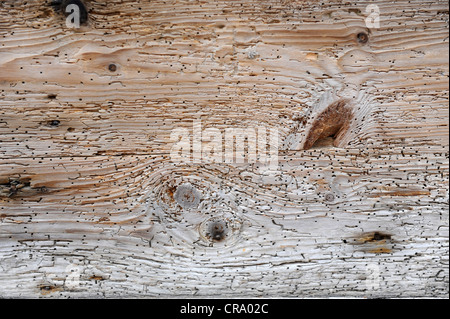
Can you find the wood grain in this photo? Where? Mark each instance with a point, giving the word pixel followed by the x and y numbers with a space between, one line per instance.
pixel 90 198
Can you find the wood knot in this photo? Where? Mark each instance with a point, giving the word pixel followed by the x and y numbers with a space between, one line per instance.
pixel 377 236
pixel 362 37
pixel 329 197
pixel 373 237
pixel 112 67
pixel 215 229
pixel 48 289
pixel 187 196
pixel 375 242
pixel 42 189
pixel 218 230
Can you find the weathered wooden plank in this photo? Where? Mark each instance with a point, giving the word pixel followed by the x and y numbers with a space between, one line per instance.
pixel 93 203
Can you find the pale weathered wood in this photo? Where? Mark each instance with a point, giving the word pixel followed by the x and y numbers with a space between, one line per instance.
pixel 92 203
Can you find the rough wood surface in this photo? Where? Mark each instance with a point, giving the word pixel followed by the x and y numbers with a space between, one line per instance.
pixel 92 204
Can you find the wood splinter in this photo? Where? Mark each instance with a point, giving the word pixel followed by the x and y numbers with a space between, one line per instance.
pixel 331 122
